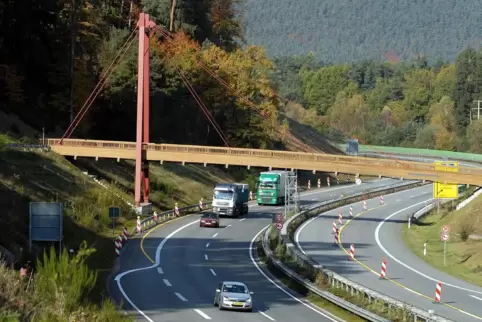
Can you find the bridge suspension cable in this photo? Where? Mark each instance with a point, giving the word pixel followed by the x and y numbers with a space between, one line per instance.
pixel 100 85
pixel 170 37
pixel 201 104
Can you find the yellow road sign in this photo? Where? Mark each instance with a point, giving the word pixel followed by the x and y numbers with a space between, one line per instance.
pixel 445 191
pixel 446 166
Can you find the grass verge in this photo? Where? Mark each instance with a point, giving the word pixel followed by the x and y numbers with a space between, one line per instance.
pixel 463 255
pixel 377 307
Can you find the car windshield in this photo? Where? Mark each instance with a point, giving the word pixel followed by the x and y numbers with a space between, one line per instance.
pixel 267 184
pixel 223 195
pixel 231 288
pixel 209 215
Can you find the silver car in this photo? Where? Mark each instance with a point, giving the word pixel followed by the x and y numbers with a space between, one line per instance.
pixel 233 295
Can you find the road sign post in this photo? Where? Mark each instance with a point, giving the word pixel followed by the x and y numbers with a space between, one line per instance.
pixel 444 190
pixel 445 236
pixel 114 212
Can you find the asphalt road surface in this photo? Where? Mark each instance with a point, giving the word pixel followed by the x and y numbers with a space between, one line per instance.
pixel 376 233
pixel 175 276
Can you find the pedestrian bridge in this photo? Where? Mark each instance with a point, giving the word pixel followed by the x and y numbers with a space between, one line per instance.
pixel 266 158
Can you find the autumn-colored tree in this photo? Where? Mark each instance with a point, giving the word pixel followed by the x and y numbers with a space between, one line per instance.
pixel 474 136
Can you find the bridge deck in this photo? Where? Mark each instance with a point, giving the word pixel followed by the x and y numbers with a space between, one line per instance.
pixel 266 158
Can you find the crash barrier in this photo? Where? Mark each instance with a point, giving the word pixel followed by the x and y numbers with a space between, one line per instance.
pixel 29 147
pixel 148 223
pixel 335 280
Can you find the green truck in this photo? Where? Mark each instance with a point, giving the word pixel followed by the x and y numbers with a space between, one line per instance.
pixel 271 187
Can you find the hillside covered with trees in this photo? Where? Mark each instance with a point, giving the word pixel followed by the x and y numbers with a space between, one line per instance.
pixel 411 104
pixel 343 31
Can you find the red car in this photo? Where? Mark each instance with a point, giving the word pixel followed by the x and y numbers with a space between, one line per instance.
pixel 209 219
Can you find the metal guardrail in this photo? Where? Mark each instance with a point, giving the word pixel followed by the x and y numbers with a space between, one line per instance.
pixel 162 217
pixel 334 279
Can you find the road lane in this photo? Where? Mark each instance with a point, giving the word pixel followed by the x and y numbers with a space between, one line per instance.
pixel 183 262
pixel 404 283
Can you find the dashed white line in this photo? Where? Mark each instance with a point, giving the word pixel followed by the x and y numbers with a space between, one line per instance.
pixel 314 199
pixel 201 313
pixel 182 298
pixel 267 316
pixel 212 271
pixel 206 257
pixel 207 245
pixel 160 271
pixel 167 282
pixel 476 297
pixel 242 219
pixel 278 207
pixel 228 226
pixel 215 235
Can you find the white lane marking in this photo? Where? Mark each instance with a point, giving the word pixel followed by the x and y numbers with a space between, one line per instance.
pixel 266 315
pixel 298 232
pixel 377 238
pixel 476 297
pixel 242 219
pixel 167 282
pixel 314 199
pixel 398 200
pixel 206 257
pixel 278 208
pixel 160 271
pixel 212 271
pixel 251 249
pixel 182 298
pixel 201 313
pixel 207 245
pixel 215 235
pixel 228 226
pixel 118 278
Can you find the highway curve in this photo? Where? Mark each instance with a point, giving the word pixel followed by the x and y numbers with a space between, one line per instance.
pixel 175 279
pixel 376 233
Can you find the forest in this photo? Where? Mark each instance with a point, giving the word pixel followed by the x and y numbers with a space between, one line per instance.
pixel 49 73
pixel 409 104
pixel 346 31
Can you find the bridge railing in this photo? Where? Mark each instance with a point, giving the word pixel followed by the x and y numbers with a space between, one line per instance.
pixel 258 153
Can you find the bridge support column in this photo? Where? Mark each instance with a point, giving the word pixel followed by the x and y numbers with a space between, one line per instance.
pixel 142 129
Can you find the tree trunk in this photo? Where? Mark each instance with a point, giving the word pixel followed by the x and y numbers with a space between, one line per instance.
pixel 171 19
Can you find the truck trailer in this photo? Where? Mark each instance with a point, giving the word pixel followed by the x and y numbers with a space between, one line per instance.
pixel 271 187
pixel 231 199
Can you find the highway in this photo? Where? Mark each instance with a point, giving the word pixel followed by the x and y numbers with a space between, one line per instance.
pixel 376 233
pixel 173 276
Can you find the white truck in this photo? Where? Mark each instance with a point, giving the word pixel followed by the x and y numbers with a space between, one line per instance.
pixel 231 199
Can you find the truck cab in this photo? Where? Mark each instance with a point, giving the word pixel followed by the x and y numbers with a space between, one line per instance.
pixel 231 199
pixel 271 187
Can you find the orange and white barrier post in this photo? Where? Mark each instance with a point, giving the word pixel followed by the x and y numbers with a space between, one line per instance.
pixel 309 184
pixel 176 209
pixel 328 181
pixel 125 234
pixel 201 204
pixel 155 216
pixel 364 205
pixel 138 224
pixel 352 251
pixel 319 183
pixel 347 178
pixel 334 228
pixel 383 272
pixel 335 242
pixel 438 292
pixel 381 200
pixel 337 180
pixel 117 247
pixel 119 240
pixel 351 211
pixel 250 195
pixel 340 217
